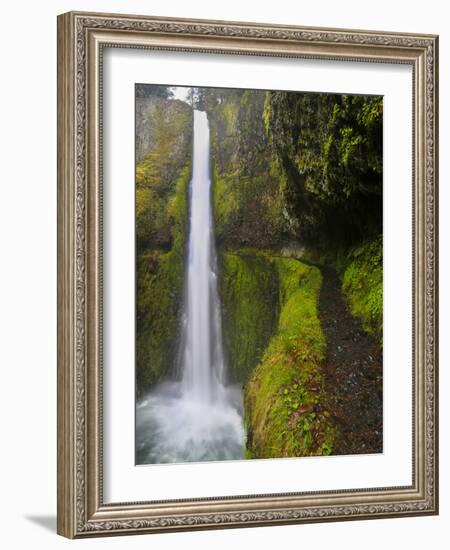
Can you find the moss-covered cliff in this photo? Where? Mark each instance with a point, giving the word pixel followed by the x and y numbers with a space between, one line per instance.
pixel 296 167
pixel 330 147
pixel 300 175
pixel 248 182
pixel 162 175
pixel 360 270
pixel 163 149
pixel 249 293
pixel 362 284
pixel 285 409
pixel 294 175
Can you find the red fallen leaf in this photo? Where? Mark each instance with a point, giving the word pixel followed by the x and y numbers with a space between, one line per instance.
pixel 303 409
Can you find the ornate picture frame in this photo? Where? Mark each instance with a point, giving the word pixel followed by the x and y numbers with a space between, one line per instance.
pixel 82 38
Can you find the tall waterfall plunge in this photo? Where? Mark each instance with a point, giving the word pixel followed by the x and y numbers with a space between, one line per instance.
pixel 202 360
pixel 198 417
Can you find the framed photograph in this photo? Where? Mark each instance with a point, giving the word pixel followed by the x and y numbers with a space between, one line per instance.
pixel 247 274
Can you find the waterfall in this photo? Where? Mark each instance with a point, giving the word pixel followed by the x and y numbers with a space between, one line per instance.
pixel 198 417
pixel 202 357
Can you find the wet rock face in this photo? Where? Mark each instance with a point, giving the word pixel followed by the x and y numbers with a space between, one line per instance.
pixel 247 184
pixel 145 133
pixel 163 150
pixel 163 168
pixel 169 112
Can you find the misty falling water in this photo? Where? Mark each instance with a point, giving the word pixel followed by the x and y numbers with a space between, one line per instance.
pixel 198 417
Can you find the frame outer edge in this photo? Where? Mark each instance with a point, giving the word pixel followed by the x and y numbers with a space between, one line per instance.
pixel 436 271
pixel 75 351
pixel 65 281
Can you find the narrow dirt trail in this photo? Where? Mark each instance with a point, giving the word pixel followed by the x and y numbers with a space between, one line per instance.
pixel 354 373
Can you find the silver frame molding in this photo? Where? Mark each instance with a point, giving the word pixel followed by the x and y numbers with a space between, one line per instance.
pixel 81 38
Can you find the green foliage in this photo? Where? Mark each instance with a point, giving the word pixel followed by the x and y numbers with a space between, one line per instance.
pixel 283 399
pixel 362 284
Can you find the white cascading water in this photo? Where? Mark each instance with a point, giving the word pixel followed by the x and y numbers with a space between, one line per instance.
pixel 199 417
pixel 202 359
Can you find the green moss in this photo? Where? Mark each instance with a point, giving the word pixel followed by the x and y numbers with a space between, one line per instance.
pixel 225 201
pixel 277 347
pixel 249 287
pixel 362 284
pixel 330 146
pixel 360 269
pixel 223 118
pixel 248 179
pixel 248 210
pixel 284 411
pixel 159 287
pixel 157 172
pixel 162 176
pixel 229 112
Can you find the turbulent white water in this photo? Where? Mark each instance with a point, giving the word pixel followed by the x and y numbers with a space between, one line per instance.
pixel 198 417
